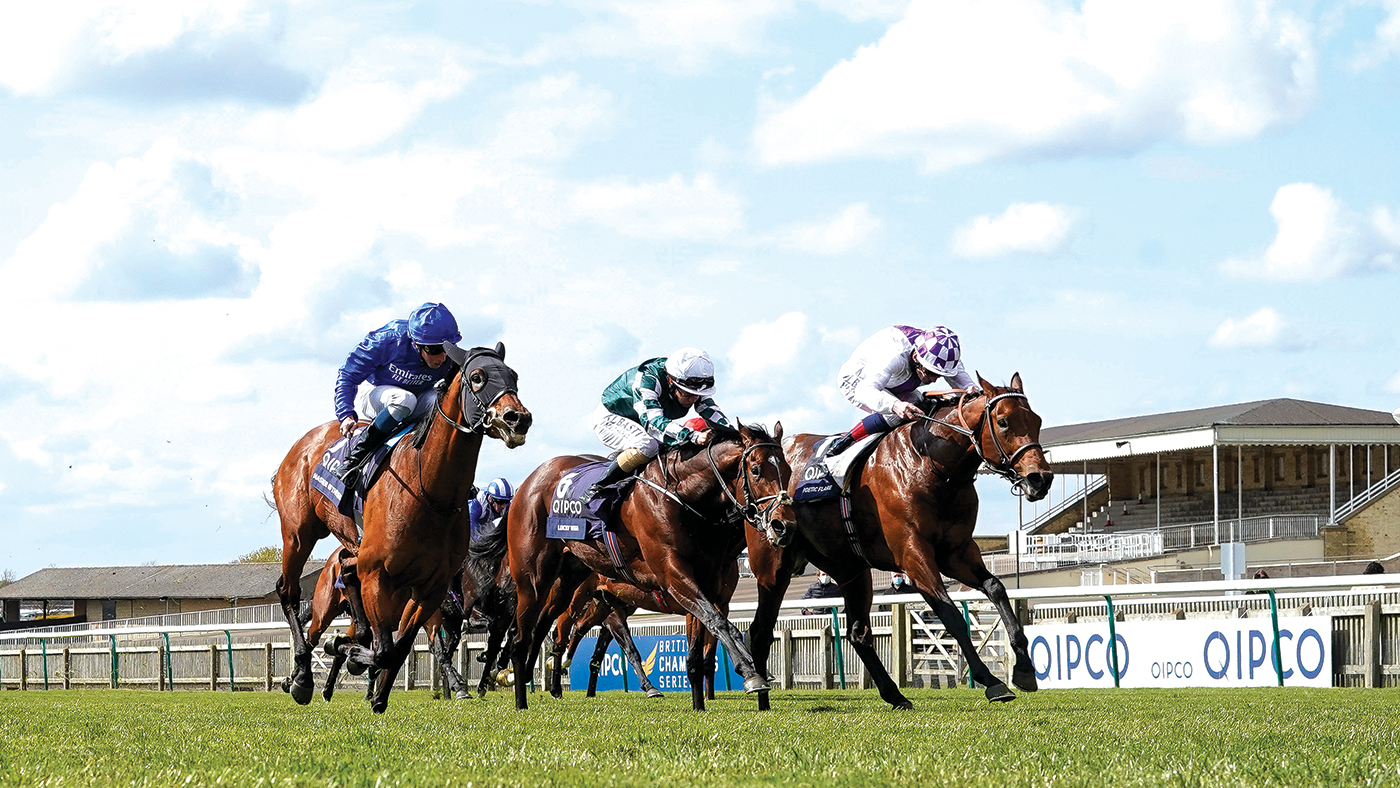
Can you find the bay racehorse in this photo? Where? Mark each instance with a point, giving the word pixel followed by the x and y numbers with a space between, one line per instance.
pixel 913 509
pixel 677 529
pixel 415 522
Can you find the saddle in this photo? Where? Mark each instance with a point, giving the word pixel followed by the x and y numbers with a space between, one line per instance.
pixel 831 477
pixel 325 482
pixel 572 514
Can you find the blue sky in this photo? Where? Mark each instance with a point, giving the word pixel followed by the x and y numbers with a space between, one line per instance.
pixel 205 205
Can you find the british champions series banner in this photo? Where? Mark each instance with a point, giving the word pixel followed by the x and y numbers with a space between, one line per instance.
pixel 1233 652
pixel 663 657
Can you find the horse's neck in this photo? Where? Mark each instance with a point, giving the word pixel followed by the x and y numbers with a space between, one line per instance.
pixel 948 456
pixel 448 457
pixel 695 480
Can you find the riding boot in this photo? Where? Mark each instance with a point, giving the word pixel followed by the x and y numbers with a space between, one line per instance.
pixel 614 474
pixel 379 431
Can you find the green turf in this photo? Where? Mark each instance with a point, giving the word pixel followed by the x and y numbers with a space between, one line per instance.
pixel 1289 737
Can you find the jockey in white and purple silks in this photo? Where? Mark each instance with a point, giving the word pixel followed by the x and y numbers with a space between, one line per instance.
pixel 401 361
pixel 884 373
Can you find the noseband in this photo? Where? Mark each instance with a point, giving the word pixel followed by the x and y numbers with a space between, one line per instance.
pixel 757 512
pixel 480 410
pixel 1005 464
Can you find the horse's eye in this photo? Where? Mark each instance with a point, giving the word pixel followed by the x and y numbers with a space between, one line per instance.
pixel 1001 423
pixel 756 467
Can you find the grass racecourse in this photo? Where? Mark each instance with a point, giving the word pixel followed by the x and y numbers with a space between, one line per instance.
pixel 1289 737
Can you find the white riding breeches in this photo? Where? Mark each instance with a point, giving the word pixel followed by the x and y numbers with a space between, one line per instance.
pixel 401 403
pixel 618 433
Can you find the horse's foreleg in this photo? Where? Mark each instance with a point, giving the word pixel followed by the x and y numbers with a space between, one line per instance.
pixel 695 661
pixel 857 592
pixel 449 638
pixel 595 665
pixel 391 652
pixel 617 625
pixel 773 575
pixel 683 589
pixel 968 568
pixel 294 556
pixel 711 664
pixel 926 576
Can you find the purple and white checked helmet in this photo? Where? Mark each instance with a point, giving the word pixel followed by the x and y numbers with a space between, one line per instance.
pixel 939 351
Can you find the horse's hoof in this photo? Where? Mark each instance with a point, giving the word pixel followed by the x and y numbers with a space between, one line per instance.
pixel 905 705
pixel 462 695
pixel 998 693
pixel 355 668
pixel 327 693
pixel 379 706
pixel 1024 680
pixel 301 693
pixel 655 693
pixel 286 683
pixel 754 684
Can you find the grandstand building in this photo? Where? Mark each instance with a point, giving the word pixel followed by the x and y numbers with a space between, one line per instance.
pixel 1309 488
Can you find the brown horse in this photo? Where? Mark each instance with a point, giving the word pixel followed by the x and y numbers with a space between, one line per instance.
pixel 675 534
pixel 914 510
pixel 415 523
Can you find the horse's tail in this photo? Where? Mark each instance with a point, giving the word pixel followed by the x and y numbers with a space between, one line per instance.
pixel 271 504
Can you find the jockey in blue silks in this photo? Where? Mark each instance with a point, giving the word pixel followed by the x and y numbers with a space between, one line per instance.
pixel 489 508
pixel 401 361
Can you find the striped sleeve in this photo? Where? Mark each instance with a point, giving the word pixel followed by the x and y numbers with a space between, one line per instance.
pixel 711 413
pixel 646 390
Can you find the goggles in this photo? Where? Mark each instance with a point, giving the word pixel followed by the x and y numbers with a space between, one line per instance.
pixel 432 350
pixel 696 384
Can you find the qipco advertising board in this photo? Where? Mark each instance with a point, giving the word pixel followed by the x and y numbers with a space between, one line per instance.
pixel 1201 653
pixel 663 659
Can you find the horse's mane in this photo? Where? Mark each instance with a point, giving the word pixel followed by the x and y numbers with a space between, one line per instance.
pixel 420 433
pixel 485 553
pixel 723 434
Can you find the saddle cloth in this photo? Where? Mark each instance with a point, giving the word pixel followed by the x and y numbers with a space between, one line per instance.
pixel 572 515
pixel 327 484
pixel 829 478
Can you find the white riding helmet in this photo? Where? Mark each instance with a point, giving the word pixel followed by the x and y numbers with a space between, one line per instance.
pixel 692 371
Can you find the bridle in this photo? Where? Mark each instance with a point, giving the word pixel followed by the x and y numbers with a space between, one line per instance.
pixel 757 512
pixel 480 411
pixel 1005 464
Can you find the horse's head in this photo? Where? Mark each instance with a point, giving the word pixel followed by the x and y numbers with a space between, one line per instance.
pixel 1009 438
pixel 759 481
pixel 489 398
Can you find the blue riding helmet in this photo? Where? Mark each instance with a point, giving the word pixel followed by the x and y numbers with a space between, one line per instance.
pixel 499 489
pixel 433 324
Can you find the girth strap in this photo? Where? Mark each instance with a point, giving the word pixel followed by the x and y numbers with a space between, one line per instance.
pixel 614 550
pixel 851 535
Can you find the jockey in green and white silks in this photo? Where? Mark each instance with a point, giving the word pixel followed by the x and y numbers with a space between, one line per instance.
pixel 882 377
pixel 643 410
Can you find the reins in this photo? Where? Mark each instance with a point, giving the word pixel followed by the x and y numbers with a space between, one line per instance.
pixel 481 412
pixel 755 512
pixel 1005 464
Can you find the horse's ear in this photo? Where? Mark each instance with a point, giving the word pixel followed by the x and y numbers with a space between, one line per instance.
pixel 981 381
pixel 778 432
pixel 1016 383
pixel 501 350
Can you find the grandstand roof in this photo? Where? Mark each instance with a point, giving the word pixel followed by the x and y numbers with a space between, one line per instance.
pixel 1270 421
pixel 180 581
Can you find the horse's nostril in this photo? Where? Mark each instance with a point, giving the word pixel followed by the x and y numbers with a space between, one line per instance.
pixel 511 417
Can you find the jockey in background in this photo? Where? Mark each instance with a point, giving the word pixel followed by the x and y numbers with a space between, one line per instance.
pixel 643 410
pixel 488 509
pixel 883 375
pixel 402 360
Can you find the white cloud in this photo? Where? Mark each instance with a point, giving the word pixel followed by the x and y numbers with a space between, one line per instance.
pixel 1392 386
pixel 1319 237
pixel 1039 228
pixel 366 102
pixel 699 210
pixel 768 345
pixel 43 46
pixel 839 234
pixel 966 81
pixel 866 10
pixel 1387 41
pixel 682 36
pixel 1262 330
